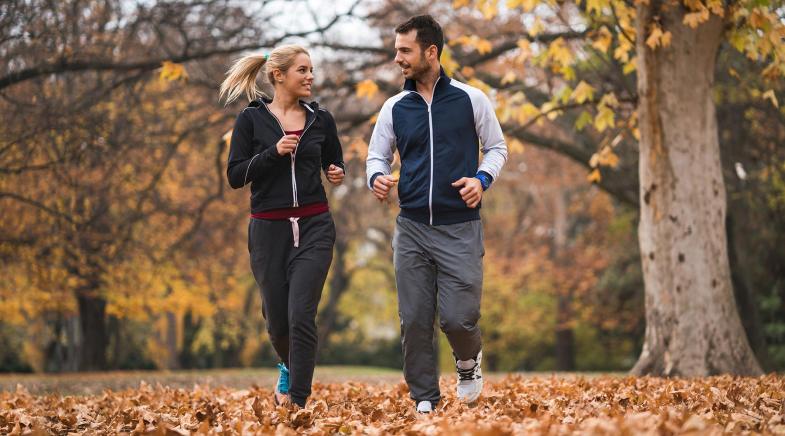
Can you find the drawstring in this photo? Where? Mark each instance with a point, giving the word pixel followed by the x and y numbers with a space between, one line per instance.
pixel 295 231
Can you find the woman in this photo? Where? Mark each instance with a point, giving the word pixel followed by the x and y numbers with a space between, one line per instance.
pixel 280 146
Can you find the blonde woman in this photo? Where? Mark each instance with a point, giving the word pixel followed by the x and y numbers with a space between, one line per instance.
pixel 280 146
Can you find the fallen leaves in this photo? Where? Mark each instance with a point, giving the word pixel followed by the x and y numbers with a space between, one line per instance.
pixel 511 405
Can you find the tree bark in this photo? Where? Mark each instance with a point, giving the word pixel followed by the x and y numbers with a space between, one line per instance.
pixel 92 320
pixel 565 337
pixel 692 324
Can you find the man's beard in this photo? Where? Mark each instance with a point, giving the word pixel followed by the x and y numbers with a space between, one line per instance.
pixel 419 71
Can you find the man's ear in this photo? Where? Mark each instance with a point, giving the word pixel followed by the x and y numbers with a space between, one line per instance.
pixel 433 53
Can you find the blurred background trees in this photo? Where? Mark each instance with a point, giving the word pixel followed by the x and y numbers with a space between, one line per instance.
pixel 121 246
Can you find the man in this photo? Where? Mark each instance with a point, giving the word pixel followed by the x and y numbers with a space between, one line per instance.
pixel 437 125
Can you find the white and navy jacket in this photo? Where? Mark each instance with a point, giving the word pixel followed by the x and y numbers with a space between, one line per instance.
pixel 438 144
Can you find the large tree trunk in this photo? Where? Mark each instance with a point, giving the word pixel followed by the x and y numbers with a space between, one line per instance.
pixel 92 319
pixel 692 324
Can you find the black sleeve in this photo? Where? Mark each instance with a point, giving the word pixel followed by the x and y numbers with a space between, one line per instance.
pixel 244 166
pixel 332 152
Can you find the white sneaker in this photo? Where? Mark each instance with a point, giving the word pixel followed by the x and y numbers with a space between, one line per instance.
pixel 424 407
pixel 469 379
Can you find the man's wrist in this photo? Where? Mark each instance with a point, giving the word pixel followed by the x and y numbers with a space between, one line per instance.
pixel 485 179
pixel 373 179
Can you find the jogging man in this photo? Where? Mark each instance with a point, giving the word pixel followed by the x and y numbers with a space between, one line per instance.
pixel 437 124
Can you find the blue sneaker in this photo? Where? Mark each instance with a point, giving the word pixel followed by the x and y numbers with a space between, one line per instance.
pixel 282 387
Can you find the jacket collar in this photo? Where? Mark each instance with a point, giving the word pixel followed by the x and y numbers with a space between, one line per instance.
pixel 310 108
pixel 444 80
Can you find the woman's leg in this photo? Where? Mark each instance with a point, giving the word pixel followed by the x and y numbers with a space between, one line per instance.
pixel 308 266
pixel 269 243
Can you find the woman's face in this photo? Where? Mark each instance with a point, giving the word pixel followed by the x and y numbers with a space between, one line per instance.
pixel 297 80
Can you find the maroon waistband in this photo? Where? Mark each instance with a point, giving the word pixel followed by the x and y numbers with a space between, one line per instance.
pixel 292 212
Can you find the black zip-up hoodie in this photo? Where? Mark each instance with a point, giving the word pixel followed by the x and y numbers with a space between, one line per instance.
pixel 282 181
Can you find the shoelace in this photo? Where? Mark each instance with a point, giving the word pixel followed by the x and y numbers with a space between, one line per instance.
pixel 283 379
pixel 466 374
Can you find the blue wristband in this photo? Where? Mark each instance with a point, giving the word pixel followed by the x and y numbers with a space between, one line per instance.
pixel 485 180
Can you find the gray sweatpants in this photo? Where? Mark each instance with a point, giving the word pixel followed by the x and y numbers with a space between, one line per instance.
pixel 437 267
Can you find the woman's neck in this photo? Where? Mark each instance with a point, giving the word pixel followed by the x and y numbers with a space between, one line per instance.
pixel 285 102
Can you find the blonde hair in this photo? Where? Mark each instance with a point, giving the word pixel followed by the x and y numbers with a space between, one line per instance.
pixel 241 77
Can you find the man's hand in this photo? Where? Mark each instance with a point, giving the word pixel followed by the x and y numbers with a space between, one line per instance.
pixel 382 185
pixel 335 174
pixel 471 190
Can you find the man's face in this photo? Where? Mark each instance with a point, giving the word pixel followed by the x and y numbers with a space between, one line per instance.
pixel 409 56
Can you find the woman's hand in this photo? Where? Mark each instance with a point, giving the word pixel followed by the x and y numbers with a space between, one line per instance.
pixel 287 144
pixel 335 174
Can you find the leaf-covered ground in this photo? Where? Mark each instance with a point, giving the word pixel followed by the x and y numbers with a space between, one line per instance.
pixel 510 405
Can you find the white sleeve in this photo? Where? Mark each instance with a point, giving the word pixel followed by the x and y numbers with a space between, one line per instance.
pixel 490 133
pixel 381 149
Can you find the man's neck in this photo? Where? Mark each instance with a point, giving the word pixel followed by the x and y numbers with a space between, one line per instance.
pixel 426 83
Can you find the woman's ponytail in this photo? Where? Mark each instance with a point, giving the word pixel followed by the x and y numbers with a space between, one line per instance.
pixel 241 78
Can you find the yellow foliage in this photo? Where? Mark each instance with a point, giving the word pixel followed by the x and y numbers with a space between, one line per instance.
pixel 488 8
pixel 537 27
pixel 509 77
pixel 559 53
pixel 769 95
pixel 583 92
pixel 622 52
pixel 658 38
pixel 693 19
pixel 367 89
pixel 171 71
pixel 525 51
pixel 596 7
pixel 604 118
pixel 584 119
pixel 602 40
pixel 482 45
pixel 447 61
pixel 526 5
pixel 594 176
pixel 606 157
pixel 630 66
pixel 477 83
pixel 515 146
pixel 526 112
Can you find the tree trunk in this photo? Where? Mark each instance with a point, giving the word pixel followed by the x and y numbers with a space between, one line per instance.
pixel 565 337
pixel 172 358
pixel 692 324
pixel 92 319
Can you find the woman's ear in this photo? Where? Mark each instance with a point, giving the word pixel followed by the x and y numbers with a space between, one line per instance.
pixel 277 76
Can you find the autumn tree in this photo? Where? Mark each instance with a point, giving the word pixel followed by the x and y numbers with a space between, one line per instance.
pixel 108 165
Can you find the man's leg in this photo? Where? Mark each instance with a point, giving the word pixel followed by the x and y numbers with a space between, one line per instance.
pixel 415 276
pixel 458 251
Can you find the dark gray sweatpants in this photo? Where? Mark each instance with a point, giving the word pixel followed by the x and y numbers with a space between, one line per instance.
pixel 291 280
pixel 437 267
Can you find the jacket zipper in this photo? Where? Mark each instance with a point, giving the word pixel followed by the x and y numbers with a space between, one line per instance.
pixel 430 134
pixel 293 154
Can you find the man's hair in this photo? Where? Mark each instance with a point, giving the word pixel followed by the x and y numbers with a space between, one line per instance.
pixel 429 32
